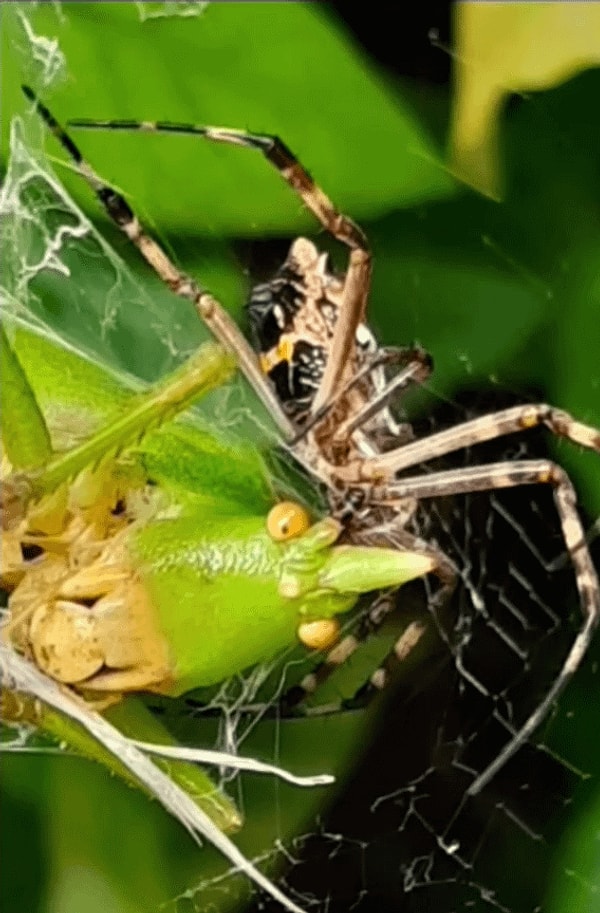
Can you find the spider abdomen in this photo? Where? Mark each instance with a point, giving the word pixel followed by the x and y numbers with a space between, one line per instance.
pixel 292 319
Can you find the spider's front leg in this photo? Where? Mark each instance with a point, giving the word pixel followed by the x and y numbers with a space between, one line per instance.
pixel 207 307
pixel 358 273
pixel 417 628
pixel 414 364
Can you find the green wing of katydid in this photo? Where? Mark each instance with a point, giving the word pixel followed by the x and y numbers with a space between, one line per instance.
pixel 80 399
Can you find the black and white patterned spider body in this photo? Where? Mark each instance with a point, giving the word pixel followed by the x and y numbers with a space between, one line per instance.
pixel 292 321
pixel 317 374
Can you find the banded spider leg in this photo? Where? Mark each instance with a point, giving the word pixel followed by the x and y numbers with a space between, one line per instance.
pixel 506 475
pixel 358 273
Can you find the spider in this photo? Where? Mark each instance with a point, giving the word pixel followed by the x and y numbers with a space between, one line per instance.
pixel 322 376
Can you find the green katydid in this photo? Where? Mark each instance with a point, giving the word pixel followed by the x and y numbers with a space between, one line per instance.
pixel 219 563
pixel 134 563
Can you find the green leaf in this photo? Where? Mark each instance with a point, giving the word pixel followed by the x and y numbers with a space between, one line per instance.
pixel 85 811
pixel 575 885
pixel 487 313
pixel 229 67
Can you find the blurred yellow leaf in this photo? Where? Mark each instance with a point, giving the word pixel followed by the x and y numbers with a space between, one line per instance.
pixel 510 47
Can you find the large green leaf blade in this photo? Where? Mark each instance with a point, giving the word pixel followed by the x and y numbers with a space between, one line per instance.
pixel 232 68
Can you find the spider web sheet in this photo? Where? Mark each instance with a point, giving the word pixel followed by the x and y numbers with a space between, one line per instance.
pixel 400 833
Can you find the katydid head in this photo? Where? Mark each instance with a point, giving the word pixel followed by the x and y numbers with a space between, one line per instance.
pixel 328 578
pixel 247 587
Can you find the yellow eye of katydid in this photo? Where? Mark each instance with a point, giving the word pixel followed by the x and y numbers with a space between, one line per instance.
pixel 319 635
pixel 287 520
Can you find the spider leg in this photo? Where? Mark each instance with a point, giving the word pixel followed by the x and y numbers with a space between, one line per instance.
pixel 385 603
pixel 207 307
pixel 508 475
pixel 382 606
pixel 485 428
pixel 358 274
pixel 317 677
pixel 446 573
pixel 417 370
pixel 416 366
pixel 274 150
